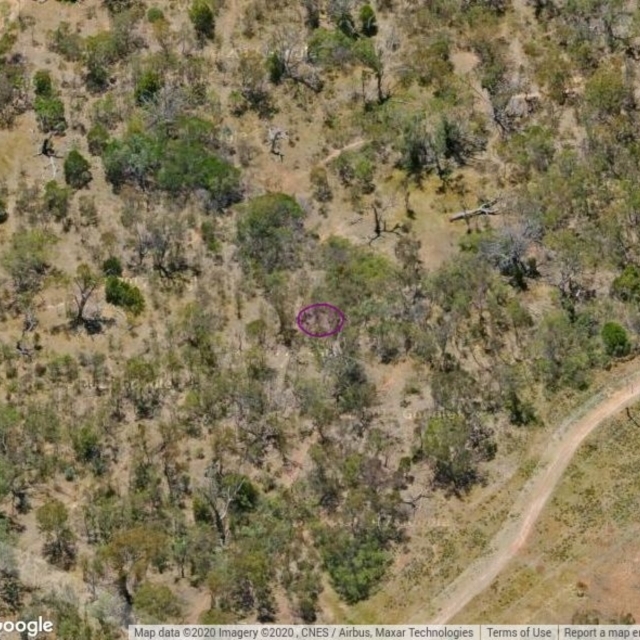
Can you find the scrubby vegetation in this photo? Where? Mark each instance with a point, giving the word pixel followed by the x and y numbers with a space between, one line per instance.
pixel 470 206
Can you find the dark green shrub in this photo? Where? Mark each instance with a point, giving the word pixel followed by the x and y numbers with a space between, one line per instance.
pixel 97 77
pixel 42 84
pixel 50 114
pixel 201 510
pixel 626 286
pixel 246 496
pixel 203 19
pixel 86 444
pixel 616 340
pixel 77 170
pixel 122 294
pixel 180 166
pixel 187 166
pixel 347 25
pixel 155 15
pixel 356 564
pixel 368 21
pixel 112 267
pixel 147 86
pixel 4 213
pixel 97 139
pixel 276 68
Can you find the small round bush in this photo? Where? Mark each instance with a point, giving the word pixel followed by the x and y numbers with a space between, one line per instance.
pixel 97 138
pixel 112 266
pixel 43 84
pixel 155 15
pixel 76 170
pixel 122 294
pixel 147 86
pixel 368 22
pixel 203 19
pixel 616 340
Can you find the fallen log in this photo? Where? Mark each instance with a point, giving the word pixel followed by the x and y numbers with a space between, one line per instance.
pixel 486 209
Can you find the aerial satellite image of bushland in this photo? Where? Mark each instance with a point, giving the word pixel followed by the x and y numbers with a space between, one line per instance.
pixel 319 311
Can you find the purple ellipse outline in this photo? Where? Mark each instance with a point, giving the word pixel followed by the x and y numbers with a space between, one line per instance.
pixel 315 305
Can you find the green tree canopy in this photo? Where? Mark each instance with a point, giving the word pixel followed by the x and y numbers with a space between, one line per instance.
pixel 271 234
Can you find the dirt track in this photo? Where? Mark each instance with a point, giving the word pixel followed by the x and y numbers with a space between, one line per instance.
pixel 527 507
pixel 356 144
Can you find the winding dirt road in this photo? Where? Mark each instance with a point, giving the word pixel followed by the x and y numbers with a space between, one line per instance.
pixel 529 505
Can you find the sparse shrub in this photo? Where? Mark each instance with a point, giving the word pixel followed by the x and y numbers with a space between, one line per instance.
pixel 88 211
pixel 13 85
pixel 53 521
pixel 616 340
pixel 156 603
pixel 203 19
pixel 330 48
pixel 66 44
pixel 97 139
pixel 118 6
pixel 56 200
pixel 63 369
pixel 125 295
pixel 103 50
pixel 77 170
pixel 27 258
pixel 147 86
pixel 208 231
pixel 320 183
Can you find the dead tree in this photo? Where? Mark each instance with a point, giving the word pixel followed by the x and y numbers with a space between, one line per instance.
pixel 274 136
pixel 23 350
pixel 219 492
pixel 380 225
pixel 289 55
pixel 30 322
